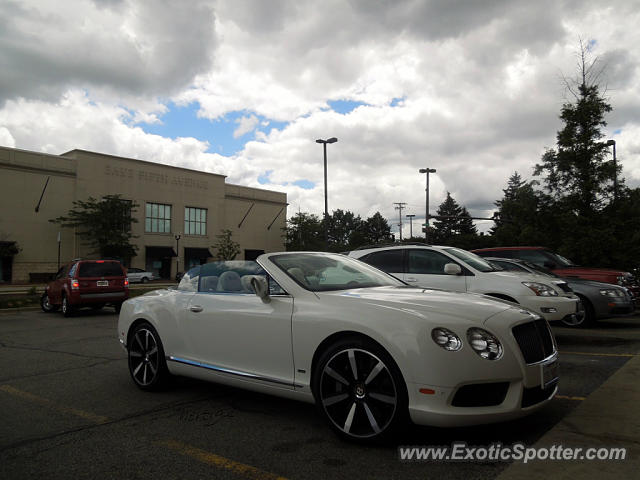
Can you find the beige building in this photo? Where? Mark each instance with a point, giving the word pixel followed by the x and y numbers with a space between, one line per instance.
pixel 172 202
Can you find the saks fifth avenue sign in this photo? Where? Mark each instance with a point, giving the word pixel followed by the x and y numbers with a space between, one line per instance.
pixel 152 177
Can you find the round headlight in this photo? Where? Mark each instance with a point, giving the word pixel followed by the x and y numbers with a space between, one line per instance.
pixel 484 343
pixel 446 339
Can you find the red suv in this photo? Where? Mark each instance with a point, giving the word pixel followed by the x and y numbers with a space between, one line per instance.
pixel 564 267
pixel 86 283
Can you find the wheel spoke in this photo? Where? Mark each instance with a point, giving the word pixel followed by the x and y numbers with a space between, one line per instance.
pixel 372 420
pixel 376 370
pixel 137 369
pixel 137 338
pixel 335 399
pixel 144 374
pixel 349 420
pixel 383 398
pixel 332 373
pixel 134 353
pixel 352 361
pixel 153 368
pixel 146 341
pixel 153 350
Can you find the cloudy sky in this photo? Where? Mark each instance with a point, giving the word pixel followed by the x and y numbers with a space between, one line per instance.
pixel 245 87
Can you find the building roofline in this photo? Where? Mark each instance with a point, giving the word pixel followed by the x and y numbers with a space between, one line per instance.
pixel 79 150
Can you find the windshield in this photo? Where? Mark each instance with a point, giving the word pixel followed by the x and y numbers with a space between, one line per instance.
pixel 560 260
pixel 322 272
pixel 472 259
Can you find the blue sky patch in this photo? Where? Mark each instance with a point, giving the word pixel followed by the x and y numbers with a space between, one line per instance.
pixel 398 101
pixel 306 184
pixel 183 121
pixel 344 106
pixel 264 178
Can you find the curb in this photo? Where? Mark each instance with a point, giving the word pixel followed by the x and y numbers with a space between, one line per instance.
pixel 608 418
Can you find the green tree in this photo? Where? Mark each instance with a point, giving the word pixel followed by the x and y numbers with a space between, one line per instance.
pixel 304 231
pixel 104 225
pixel 578 171
pixel 517 218
pixel 345 230
pixel 226 248
pixel 376 229
pixel 453 220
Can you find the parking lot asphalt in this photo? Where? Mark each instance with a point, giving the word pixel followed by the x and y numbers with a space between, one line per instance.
pixel 69 409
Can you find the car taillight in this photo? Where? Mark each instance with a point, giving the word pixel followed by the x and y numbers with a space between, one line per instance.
pixel 75 284
pixel 126 282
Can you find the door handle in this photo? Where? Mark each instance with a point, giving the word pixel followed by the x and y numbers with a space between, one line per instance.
pixel 411 279
pixel 196 308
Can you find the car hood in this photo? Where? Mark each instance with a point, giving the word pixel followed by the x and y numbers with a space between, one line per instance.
pixel 422 301
pixel 589 283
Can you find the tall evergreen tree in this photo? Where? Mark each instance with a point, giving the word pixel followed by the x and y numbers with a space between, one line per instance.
pixel 304 231
pixel 454 225
pixel 579 170
pixel 376 229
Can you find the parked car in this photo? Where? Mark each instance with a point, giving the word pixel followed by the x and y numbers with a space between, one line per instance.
pixel 139 275
pixel 455 269
pixel 600 300
pixel 564 267
pixel 86 283
pixel 369 350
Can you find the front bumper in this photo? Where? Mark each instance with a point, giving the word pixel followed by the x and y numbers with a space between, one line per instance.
pixel 475 391
pixel 550 308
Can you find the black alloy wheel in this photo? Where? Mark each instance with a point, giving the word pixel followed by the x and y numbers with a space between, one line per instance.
pixel 360 391
pixel 147 365
pixel 584 317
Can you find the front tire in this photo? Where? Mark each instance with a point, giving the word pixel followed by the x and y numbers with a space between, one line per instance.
pixel 147 365
pixel 145 279
pixel 584 318
pixel 360 390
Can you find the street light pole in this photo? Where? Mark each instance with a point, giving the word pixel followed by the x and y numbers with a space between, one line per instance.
pixel 426 215
pixel 326 198
pixel 615 169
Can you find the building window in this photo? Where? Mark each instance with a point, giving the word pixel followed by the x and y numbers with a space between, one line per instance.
pixel 195 221
pixel 157 218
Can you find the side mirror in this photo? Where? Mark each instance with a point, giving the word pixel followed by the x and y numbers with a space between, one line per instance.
pixel 261 287
pixel 452 269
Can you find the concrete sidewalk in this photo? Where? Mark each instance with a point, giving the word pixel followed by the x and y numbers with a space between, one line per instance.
pixel 609 417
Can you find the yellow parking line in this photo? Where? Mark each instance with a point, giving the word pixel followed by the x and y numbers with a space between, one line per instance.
pixel 565 397
pixel 99 419
pixel 601 354
pixel 221 462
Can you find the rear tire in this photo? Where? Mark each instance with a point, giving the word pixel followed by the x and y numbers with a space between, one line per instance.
pixel 145 279
pixel 360 390
pixel 46 306
pixel 67 310
pixel 147 364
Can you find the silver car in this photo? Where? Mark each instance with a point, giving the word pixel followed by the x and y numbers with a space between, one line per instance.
pixel 600 300
pixel 138 275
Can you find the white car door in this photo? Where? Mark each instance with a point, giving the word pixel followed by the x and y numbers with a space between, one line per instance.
pixel 425 268
pixel 237 331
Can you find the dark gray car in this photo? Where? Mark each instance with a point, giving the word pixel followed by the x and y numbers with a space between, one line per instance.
pixel 600 300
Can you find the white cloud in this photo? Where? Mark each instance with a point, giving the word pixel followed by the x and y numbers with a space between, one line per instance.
pixel 245 125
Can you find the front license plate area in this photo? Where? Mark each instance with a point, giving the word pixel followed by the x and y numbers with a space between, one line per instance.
pixel 549 373
pixel 102 283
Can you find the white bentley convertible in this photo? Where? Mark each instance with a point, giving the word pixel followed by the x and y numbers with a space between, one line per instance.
pixel 368 349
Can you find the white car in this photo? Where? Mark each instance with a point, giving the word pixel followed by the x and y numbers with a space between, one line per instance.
pixel 455 269
pixel 139 275
pixel 325 328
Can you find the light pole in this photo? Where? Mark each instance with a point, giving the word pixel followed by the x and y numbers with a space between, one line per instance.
pixel 426 215
pixel 177 237
pixel 615 169
pixel 410 217
pixel 326 201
